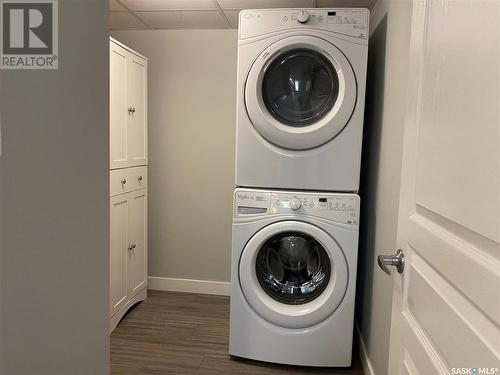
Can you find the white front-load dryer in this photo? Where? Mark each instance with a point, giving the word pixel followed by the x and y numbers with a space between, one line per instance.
pixel 300 99
pixel 293 276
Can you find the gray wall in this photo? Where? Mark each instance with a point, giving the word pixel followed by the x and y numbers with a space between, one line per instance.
pixel 381 171
pixel 54 221
pixel 192 106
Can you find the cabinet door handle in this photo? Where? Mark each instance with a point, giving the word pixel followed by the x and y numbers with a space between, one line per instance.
pixel 132 246
pixel 131 110
pixel 140 178
pixel 124 181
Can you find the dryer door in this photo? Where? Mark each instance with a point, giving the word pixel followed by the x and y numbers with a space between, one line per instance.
pixel 300 92
pixel 293 274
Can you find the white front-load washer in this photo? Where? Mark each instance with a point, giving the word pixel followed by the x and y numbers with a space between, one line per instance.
pixel 300 99
pixel 293 276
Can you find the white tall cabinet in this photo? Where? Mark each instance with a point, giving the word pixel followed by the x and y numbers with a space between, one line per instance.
pixel 128 107
pixel 128 180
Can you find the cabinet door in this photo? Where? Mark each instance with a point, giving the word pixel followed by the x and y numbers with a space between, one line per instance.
pixel 137 227
pixel 137 118
pixel 118 272
pixel 118 112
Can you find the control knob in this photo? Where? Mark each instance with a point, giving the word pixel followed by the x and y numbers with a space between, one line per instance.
pixel 295 204
pixel 303 16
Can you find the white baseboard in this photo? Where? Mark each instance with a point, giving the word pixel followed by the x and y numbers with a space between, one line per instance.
pixel 363 355
pixel 188 285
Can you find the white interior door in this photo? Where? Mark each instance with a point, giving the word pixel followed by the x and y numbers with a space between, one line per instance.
pixel 446 304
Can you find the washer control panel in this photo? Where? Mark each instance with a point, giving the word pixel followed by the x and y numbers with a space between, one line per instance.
pixel 348 21
pixel 343 208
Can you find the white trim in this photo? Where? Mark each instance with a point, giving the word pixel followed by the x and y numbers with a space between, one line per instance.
pixel 115 319
pixel 221 288
pixel 363 355
pixel 124 46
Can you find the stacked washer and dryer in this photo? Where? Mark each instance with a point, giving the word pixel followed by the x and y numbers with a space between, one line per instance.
pixel 300 104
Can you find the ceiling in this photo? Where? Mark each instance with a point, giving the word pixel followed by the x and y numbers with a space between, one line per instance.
pixel 202 14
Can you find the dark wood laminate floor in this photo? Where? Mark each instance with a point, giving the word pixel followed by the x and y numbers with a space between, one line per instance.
pixel 182 333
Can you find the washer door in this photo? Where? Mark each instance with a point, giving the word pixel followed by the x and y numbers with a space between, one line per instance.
pixel 293 274
pixel 300 92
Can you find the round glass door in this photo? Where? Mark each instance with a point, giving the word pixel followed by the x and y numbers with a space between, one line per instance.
pixel 300 92
pixel 293 268
pixel 300 87
pixel 293 274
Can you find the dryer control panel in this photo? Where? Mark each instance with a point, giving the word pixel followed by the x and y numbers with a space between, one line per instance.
pixel 352 22
pixel 342 208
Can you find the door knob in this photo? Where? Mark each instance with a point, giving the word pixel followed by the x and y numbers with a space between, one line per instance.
pixel 397 261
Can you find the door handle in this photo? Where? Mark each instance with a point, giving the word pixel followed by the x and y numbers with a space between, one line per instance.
pixel 397 261
pixel 132 246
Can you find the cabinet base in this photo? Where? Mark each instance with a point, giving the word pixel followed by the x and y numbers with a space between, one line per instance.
pixel 115 319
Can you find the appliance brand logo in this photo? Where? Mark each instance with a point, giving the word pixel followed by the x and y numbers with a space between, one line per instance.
pixel 29 37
